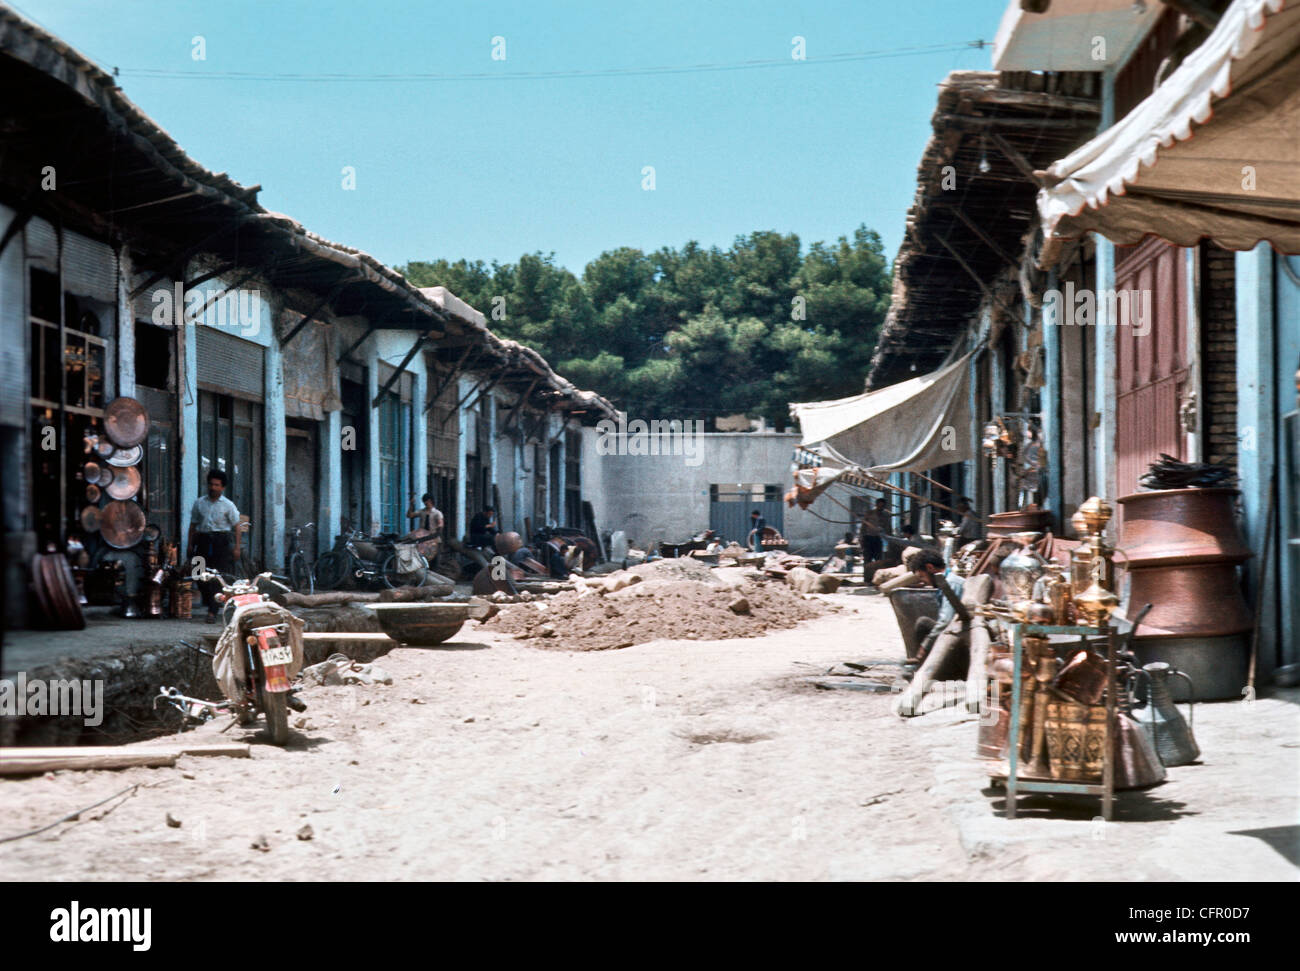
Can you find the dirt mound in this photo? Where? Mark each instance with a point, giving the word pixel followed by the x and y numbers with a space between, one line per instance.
pixel 678 599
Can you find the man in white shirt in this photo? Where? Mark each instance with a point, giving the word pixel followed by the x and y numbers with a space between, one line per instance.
pixel 214 535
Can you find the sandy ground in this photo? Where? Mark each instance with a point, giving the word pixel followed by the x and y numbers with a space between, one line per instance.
pixel 490 760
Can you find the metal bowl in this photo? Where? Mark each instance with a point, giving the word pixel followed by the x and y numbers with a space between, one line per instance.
pixel 421 624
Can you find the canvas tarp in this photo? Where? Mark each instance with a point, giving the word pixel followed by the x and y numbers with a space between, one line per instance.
pixel 1211 153
pixel 911 426
pixel 311 371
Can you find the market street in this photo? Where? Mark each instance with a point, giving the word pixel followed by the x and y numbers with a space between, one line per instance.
pixel 491 760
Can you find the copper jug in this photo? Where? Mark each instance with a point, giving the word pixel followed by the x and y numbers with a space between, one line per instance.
pixel 1163 723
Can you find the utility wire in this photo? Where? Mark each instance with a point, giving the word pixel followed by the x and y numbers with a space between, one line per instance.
pixel 844 58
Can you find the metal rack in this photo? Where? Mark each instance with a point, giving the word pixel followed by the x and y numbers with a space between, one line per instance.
pixel 1016 785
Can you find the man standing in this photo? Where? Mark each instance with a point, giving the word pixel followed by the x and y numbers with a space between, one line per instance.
pixel 214 536
pixel 756 526
pixel 427 519
pixel 969 529
pixel 871 535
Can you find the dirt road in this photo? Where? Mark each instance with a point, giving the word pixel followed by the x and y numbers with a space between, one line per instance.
pixel 490 760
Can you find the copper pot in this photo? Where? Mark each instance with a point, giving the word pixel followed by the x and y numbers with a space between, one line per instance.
pixel 1181 526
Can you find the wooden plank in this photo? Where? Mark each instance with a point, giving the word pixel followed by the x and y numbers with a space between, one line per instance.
pixel 35 761
pixel 368 637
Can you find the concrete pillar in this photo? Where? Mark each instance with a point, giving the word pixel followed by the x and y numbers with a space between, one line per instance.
pixel 329 514
pixel 419 484
pixel 998 403
pixel 1257 422
pixel 1053 394
pixel 275 449
pixel 188 491
pixel 1104 466
pixel 372 514
pixel 464 384
pixel 125 326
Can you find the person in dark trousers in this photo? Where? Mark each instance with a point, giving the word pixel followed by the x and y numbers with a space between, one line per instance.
pixel 871 534
pixel 214 536
pixel 756 525
pixel 483 528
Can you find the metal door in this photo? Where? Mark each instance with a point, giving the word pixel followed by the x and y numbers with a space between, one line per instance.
pixel 1152 368
pixel 730 506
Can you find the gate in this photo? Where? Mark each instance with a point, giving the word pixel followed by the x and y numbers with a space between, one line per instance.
pixel 730 506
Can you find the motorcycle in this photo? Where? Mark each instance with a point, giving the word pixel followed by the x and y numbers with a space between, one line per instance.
pixel 258 651
pixel 371 560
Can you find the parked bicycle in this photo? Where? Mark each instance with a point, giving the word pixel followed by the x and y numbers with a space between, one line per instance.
pixel 297 565
pixel 357 558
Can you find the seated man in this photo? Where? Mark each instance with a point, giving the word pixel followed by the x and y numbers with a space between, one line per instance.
pixel 483 528
pixel 511 546
pixel 553 550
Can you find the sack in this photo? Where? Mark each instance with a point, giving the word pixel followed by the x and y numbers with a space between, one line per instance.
pixel 409 559
pixel 228 661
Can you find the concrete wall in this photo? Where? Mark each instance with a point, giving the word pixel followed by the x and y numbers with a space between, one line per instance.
pixel 664 497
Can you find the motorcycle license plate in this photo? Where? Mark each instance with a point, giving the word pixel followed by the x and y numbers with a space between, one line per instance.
pixel 281 654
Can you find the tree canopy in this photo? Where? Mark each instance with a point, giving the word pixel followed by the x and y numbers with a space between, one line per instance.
pixel 692 332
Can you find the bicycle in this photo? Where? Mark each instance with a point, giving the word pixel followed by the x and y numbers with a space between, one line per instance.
pixel 301 577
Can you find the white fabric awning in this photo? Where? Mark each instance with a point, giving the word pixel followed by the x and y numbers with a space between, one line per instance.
pixel 1212 152
pixel 911 426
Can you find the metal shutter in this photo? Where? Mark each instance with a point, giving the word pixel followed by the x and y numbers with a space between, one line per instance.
pixel 89 268
pixel 228 364
pixel 144 305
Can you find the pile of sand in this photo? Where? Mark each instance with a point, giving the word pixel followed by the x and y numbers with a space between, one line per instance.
pixel 675 599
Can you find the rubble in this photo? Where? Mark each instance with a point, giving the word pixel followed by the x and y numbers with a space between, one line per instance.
pixel 677 598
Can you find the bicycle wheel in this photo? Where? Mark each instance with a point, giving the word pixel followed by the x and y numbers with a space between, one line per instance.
pixel 333 569
pixel 393 577
pixel 300 577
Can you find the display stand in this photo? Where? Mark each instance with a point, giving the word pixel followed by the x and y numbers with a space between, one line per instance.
pixel 1016 785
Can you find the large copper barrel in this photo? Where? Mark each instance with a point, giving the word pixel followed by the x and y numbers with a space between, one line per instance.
pixel 1182 548
pixel 1175 526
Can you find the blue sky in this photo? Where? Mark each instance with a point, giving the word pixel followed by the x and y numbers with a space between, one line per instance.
pixel 489 169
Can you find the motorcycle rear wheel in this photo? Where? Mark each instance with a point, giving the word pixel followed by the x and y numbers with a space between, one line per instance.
pixel 277 715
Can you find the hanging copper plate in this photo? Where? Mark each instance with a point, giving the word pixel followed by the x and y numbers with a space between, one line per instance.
pixel 104 448
pixel 56 591
pixel 92 492
pixel 90 519
pixel 125 484
pixel 123 457
pixel 105 476
pixel 90 471
pixel 126 422
pixel 152 532
pixel 121 523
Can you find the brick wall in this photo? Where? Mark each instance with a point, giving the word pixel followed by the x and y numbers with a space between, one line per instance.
pixel 1219 354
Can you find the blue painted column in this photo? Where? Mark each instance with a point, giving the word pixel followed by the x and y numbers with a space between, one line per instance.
pixel 1053 397
pixel 1256 422
pixel 274 470
pixel 329 513
pixel 371 518
pixel 1104 467
pixel 419 484
pixel 188 492
pixel 463 386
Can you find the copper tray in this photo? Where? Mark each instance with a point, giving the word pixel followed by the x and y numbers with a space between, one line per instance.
pixel 56 591
pixel 90 519
pixel 123 457
pixel 126 422
pixel 90 472
pixel 125 484
pixel 121 523
pixel 92 492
